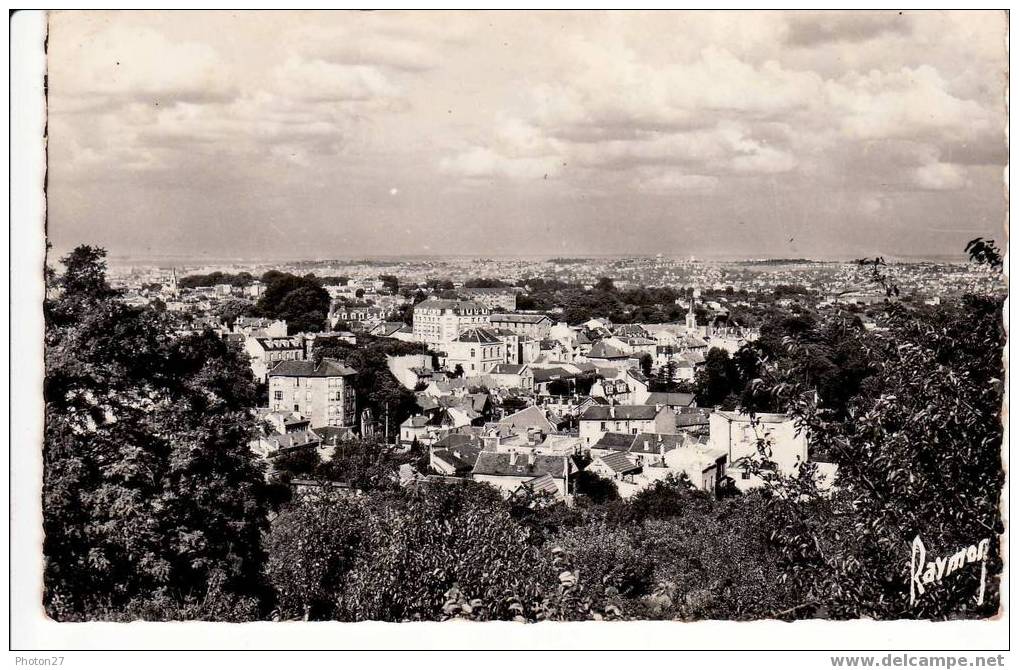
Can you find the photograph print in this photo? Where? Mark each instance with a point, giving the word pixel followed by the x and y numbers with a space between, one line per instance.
pixel 537 316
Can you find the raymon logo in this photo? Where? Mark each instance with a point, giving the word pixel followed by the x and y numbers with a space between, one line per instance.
pixel 924 573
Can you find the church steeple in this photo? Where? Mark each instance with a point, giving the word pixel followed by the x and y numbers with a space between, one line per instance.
pixel 691 318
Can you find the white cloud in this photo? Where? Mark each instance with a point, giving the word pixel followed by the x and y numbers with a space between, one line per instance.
pixel 940 177
pixel 671 181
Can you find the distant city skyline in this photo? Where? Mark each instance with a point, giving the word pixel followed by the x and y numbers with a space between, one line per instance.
pixel 304 135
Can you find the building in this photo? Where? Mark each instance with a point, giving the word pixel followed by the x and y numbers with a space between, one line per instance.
pixel 322 392
pixel 536 326
pixel 267 352
pixel 739 435
pixel 441 321
pixel 633 419
pixel 260 327
pixel 511 471
pixel 509 375
pixel 475 350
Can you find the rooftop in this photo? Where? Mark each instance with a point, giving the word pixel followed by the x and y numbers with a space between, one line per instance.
pixel 328 367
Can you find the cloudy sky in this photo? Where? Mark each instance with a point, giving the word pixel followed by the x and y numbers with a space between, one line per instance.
pixel 321 135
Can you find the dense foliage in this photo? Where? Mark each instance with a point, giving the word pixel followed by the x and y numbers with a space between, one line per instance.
pixel 152 504
pixel 301 301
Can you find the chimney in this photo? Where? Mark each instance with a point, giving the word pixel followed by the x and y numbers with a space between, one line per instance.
pixel 513 458
pixel 612 411
pixel 530 458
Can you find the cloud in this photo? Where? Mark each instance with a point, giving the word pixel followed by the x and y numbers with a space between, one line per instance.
pixel 480 162
pixel 119 63
pixel 940 177
pixel 853 27
pixel 671 181
pixel 320 81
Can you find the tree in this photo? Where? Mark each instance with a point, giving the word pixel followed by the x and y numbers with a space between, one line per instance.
pixel 718 381
pixel 918 451
pixel 447 551
pixel 604 284
pixel 230 310
pixel 645 364
pixel 311 547
pixel 364 464
pixel 301 301
pixel 297 462
pixel 598 489
pixel 152 502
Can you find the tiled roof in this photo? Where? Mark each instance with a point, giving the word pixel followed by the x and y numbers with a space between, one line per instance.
pixel 614 441
pixel 603 350
pixel 618 461
pixel 670 399
pixel 501 464
pixel 548 374
pixel 328 367
pixel 652 443
pixel 541 484
pixel 507 369
pixel 478 335
pixel 519 318
pixel 529 417
pixel 292 440
pixel 620 413
pixel 277 343
pixel 438 303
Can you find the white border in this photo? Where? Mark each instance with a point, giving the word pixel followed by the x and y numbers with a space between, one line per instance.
pixel 31 630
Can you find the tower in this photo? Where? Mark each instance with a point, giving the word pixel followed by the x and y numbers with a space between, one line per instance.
pixel 691 318
pixel 173 281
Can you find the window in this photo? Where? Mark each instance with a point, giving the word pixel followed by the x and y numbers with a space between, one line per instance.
pixel 603 425
pixel 277 395
pixel 297 408
pixel 745 475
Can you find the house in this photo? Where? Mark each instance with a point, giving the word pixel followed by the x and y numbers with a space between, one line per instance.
pixel 535 326
pixel 657 456
pixel 476 351
pixel 615 390
pixel 507 375
pixel 322 391
pixel 287 432
pixel 509 471
pixel 739 436
pixel 614 465
pixel 604 354
pixel 633 419
pixel 259 327
pixel 439 321
pixel 388 328
pixel 417 428
pixel 267 352
pixel 674 401
pixel 455 455
pixel 519 348
pixel 532 417
pixel 556 377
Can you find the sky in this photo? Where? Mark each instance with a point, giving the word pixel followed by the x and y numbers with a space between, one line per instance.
pixel 714 134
